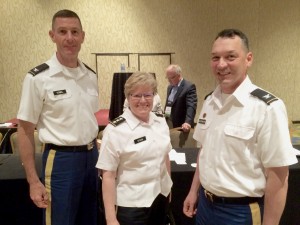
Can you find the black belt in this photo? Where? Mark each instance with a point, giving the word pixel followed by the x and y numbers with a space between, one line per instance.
pixel 76 148
pixel 231 200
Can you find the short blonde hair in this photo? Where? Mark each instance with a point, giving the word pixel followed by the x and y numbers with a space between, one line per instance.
pixel 138 79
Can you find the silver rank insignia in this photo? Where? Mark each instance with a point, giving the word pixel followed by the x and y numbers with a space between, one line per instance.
pixel 264 96
pixel 115 122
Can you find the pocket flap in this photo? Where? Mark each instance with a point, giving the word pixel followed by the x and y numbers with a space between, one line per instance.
pixel 239 131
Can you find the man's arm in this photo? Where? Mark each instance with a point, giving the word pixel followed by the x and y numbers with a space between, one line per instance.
pixel 26 144
pixel 191 104
pixel 189 204
pixel 275 194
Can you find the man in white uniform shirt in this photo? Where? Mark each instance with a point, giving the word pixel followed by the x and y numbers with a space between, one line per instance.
pixel 59 99
pixel 245 149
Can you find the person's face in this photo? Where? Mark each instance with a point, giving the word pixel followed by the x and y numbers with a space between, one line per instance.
pixel 140 102
pixel 68 36
pixel 229 62
pixel 172 77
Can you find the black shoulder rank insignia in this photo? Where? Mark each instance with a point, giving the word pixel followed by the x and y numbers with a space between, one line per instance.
pixel 89 68
pixel 159 114
pixel 208 95
pixel 115 122
pixel 264 96
pixel 38 69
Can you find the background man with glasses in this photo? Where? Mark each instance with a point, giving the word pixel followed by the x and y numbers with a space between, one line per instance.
pixel 181 102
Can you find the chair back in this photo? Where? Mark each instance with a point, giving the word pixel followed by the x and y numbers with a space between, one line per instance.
pixel 180 139
pixel 39 146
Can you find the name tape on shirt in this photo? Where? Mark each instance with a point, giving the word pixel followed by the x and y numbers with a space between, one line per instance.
pixel 136 141
pixel 59 92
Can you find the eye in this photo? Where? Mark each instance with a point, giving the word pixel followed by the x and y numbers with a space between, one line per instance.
pixel 75 32
pixel 215 58
pixel 231 57
pixel 62 32
pixel 137 96
pixel 148 95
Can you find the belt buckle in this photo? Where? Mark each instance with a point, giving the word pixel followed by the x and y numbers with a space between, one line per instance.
pixel 90 146
pixel 209 196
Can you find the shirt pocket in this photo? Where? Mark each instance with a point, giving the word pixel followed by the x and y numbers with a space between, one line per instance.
pixel 201 130
pixel 56 95
pixel 239 131
pixel 238 140
pixel 92 92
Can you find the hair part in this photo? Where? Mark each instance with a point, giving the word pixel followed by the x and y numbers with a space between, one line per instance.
pixel 138 79
pixel 231 33
pixel 65 13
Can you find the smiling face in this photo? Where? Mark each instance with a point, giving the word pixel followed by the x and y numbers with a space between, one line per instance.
pixel 140 102
pixel 229 62
pixel 68 36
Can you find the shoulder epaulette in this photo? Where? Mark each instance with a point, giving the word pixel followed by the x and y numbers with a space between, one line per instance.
pixel 38 69
pixel 264 96
pixel 89 68
pixel 159 114
pixel 115 122
pixel 208 95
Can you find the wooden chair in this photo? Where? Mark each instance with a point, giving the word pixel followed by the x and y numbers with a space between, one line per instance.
pixel 180 139
pixel 39 146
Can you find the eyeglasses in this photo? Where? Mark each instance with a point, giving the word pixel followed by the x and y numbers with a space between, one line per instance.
pixel 147 96
pixel 172 78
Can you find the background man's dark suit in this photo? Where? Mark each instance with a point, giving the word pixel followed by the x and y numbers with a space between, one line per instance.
pixel 184 104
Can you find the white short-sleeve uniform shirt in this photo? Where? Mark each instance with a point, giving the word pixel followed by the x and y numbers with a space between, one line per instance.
pixel 137 151
pixel 239 138
pixel 62 102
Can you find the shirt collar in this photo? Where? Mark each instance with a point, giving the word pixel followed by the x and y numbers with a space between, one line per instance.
pixel 243 91
pixel 60 68
pixel 133 122
pixel 241 94
pixel 179 82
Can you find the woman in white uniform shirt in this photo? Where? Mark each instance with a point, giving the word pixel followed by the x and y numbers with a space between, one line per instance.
pixel 134 159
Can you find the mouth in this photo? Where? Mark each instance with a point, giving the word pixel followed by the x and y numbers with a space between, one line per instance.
pixel 223 73
pixel 70 46
pixel 143 106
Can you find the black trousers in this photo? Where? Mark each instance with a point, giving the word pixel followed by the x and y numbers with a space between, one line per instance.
pixel 156 214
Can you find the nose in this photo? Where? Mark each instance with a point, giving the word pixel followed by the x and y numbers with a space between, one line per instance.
pixel 69 35
pixel 143 98
pixel 222 63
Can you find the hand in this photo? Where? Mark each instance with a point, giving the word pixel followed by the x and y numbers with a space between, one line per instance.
pixel 98 144
pixel 39 195
pixel 113 222
pixel 189 204
pixel 185 127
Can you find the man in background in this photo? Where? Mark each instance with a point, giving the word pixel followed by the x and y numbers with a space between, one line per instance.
pixel 59 99
pixel 245 147
pixel 181 103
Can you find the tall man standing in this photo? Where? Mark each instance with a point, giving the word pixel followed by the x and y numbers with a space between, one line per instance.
pixel 59 99
pixel 245 148
pixel 181 103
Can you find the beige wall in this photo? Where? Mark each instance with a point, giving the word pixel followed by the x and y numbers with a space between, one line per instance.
pixel 186 27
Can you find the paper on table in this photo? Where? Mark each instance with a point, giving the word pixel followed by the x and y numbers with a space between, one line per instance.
pixel 297 152
pixel 5 124
pixel 179 158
